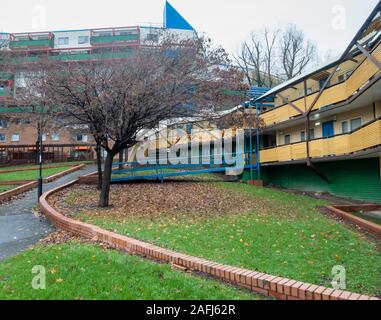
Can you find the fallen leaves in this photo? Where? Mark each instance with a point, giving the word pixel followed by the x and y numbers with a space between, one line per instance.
pixel 155 200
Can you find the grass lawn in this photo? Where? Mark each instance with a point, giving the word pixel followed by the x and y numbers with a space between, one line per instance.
pixel 261 229
pixel 30 175
pixel 81 271
pixel 6 188
pixel 33 166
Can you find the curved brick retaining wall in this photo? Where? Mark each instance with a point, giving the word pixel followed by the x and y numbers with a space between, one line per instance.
pixel 273 286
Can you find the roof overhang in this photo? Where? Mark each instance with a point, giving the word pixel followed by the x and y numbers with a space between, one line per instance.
pixel 369 33
pixel 362 98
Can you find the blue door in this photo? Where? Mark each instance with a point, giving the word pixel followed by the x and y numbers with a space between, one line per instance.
pixel 328 129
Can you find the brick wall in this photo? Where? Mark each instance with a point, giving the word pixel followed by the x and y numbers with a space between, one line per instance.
pixel 268 285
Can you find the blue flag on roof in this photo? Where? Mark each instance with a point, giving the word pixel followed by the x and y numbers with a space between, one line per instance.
pixel 174 20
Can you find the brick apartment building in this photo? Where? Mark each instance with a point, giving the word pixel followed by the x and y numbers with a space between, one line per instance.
pixel 18 133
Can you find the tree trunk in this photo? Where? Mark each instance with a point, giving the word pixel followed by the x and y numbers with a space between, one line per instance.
pixel 121 160
pixel 99 165
pixel 105 190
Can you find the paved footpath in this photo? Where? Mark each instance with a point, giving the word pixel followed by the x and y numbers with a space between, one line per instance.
pixel 19 227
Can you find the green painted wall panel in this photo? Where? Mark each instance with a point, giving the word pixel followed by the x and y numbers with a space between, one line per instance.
pixel 32 43
pixel 108 39
pixel 357 179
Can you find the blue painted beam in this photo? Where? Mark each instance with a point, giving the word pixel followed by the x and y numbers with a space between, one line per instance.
pixel 176 174
pixel 174 20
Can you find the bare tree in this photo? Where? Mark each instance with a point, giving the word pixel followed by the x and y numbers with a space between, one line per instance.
pixel 241 120
pixel 270 57
pixel 117 99
pixel 257 57
pixel 296 52
pixel 33 103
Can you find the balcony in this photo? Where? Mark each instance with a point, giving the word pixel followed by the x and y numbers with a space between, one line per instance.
pixel 78 56
pixel 28 42
pixel 332 95
pixel 5 92
pixel 115 37
pixel 364 138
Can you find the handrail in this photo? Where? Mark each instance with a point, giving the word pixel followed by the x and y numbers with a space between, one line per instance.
pixel 365 137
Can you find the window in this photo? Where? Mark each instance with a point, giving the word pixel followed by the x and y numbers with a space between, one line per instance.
pixel 55 137
pixel 83 39
pixel 153 37
pixel 44 137
pixel 312 134
pixel 356 123
pixel 303 136
pixel 63 41
pixel 344 127
pixel 3 137
pixel 82 137
pixel 3 124
pixel 322 82
pixel 17 121
pixel 15 137
pixel 125 33
pixel 105 34
pixel 287 139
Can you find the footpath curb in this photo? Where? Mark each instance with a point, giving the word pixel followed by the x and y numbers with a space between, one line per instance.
pixel 268 285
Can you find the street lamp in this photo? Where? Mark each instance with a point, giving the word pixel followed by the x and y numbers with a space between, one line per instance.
pixel 40 155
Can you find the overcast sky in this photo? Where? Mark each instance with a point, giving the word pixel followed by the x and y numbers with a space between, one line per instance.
pixel 329 23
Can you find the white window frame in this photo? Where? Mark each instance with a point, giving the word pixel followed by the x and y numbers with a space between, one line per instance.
pixel 83 37
pixel 14 139
pixel 284 139
pixel 55 137
pixel 85 137
pixel 350 123
pixel 348 126
pixel 63 41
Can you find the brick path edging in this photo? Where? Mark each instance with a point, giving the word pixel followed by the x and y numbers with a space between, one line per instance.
pixel 268 285
pixel 29 185
pixel 342 212
pixel 36 168
pixel 5 196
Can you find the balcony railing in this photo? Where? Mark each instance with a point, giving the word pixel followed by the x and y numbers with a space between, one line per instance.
pixel 332 95
pixel 31 41
pixel 4 92
pixel 120 36
pixel 79 57
pixel 364 138
pixel 107 40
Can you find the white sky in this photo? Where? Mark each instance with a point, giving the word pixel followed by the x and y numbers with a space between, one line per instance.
pixel 228 22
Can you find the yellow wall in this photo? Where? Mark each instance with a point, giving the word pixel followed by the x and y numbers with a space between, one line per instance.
pixel 313 85
pixel 330 96
pixel 365 113
pixel 367 137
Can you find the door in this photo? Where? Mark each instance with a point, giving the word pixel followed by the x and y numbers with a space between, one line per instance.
pixel 328 129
